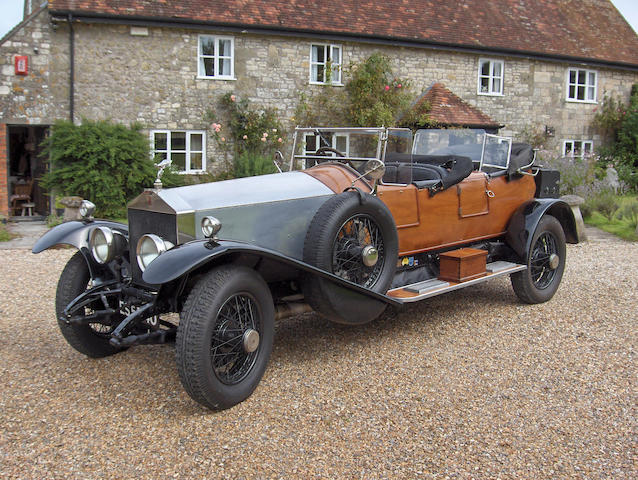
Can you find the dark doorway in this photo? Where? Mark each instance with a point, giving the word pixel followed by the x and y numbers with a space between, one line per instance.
pixel 26 166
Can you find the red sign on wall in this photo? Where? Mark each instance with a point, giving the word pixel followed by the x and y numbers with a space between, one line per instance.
pixel 22 65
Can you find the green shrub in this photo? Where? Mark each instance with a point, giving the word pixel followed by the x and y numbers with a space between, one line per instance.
pixel 605 203
pixel 5 235
pixel 249 164
pixel 103 162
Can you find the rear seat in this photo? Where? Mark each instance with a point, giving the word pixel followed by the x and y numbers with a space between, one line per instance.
pixel 435 172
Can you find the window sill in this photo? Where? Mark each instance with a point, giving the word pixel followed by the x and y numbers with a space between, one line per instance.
pixel 572 100
pixel 484 94
pixel 326 84
pixel 191 172
pixel 199 77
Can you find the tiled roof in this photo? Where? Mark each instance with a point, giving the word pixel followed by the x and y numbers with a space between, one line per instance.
pixel 587 29
pixel 448 109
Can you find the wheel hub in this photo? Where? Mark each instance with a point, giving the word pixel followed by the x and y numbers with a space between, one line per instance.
pixel 251 340
pixel 369 256
pixel 554 261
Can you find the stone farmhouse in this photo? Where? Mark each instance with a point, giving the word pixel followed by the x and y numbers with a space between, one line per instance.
pixel 517 64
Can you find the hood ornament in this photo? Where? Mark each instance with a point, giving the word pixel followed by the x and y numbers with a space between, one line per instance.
pixel 160 170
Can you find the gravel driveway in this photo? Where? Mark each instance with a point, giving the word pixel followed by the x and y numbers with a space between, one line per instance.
pixel 471 384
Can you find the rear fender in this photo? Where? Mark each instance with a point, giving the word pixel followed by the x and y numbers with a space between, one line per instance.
pixel 192 256
pixel 525 220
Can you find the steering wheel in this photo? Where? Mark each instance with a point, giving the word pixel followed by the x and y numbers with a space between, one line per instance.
pixel 323 150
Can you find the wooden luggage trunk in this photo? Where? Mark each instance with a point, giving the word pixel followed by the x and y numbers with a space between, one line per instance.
pixel 462 265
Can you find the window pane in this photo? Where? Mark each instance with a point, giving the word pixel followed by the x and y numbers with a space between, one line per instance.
pixel 581 93
pixel 208 45
pixel 179 161
pixel 160 141
pixel 485 68
pixel 196 142
pixel 311 143
pixel 592 78
pixel 314 73
pixel 318 54
pixel 572 91
pixel 178 140
pixel 572 76
pixel 319 70
pixel 587 147
pixel 497 86
pixel 224 48
pixel 497 69
pixel 485 85
pixel 208 68
pixel 342 144
pixel 590 93
pixel 336 55
pixel 224 67
pixel 577 149
pixel 196 161
pixel 581 77
pixel 568 148
pixel 336 74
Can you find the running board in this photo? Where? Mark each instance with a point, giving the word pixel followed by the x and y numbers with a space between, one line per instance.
pixel 433 287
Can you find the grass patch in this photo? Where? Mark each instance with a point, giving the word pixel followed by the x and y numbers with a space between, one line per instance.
pixel 5 234
pixel 621 227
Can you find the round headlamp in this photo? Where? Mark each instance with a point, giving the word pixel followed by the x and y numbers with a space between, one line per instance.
pixel 86 209
pixel 210 227
pixel 149 247
pixel 102 245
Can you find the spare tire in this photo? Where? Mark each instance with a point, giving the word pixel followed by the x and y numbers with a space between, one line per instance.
pixel 353 236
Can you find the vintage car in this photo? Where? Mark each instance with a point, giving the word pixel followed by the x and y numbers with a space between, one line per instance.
pixel 357 220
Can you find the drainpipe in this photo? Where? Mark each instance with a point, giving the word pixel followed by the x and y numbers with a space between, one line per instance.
pixel 71 68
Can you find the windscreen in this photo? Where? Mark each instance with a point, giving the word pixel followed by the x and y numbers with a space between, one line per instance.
pixel 462 142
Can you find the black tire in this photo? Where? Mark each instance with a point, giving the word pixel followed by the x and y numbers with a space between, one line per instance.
pixel 540 281
pixel 329 236
pixel 85 339
pixel 214 366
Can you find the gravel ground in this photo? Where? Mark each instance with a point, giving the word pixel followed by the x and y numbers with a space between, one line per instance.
pixel 471 384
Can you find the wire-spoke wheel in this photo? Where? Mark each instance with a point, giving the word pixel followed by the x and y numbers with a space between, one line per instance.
pixel 359 251
pixel 93 339
pixel 545 263
pixel 225 336
pixel 357 241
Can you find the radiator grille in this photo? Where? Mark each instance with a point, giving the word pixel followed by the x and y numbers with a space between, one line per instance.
pixel 142 222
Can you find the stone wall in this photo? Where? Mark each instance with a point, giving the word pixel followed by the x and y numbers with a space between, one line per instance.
pixel 4 175
pixel 149 75
pixel 40 97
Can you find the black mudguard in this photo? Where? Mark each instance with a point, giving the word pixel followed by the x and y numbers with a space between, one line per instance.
pixel 525 220
pixel 75 233
pixel 194 255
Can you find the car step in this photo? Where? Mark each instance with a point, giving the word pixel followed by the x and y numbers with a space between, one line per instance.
pixel 433 287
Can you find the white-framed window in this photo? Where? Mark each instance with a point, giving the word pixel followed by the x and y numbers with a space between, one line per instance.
pixel 216 57
pixel 338 141
pixel 325 64
pixel 185 148
pixel 581 85
pixel 490 76
pixel 577 148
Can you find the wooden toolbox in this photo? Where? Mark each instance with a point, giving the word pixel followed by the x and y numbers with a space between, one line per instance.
pixel 462 265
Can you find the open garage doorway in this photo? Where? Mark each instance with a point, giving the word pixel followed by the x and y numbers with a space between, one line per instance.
pixel 27 199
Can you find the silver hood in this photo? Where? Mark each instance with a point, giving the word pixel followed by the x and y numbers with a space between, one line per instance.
pixel 272 211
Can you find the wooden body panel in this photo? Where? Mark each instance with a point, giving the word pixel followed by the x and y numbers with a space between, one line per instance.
pixel 337 176
pixel 477 208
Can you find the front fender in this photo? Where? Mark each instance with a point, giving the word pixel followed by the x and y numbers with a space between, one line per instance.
pixel 75 233
pixel 190 256
pixel 525 220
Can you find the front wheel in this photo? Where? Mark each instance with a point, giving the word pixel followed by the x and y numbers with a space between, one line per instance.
pixel 225 336
pixel 93 339
pixel 545 263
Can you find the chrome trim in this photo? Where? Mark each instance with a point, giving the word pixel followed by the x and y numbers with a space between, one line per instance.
pixel 86 210
pixel 108 237
pixel 160 246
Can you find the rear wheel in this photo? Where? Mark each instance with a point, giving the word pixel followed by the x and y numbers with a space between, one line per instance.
pixel 225 336
pixel 545 263
pixel 92 340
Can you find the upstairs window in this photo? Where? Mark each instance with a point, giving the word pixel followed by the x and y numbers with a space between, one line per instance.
pixel 216 57
pixel 325 64
pixel 581 85
pixel 490 77
pixel 313 142
pixel 577 148
pixel 186 149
